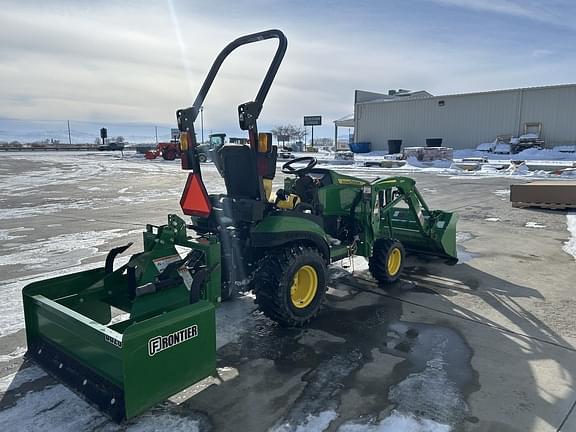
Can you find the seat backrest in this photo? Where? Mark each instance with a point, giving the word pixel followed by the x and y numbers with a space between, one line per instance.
pixel 240 175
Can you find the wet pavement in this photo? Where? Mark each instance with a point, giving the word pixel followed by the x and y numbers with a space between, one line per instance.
pixel 486 345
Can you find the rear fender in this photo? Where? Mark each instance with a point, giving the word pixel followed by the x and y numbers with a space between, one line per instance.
pixel 279 230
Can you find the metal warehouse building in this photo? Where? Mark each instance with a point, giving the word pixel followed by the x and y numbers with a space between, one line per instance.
pixel 464 120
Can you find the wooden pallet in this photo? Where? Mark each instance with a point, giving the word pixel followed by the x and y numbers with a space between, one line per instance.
pixel 551 206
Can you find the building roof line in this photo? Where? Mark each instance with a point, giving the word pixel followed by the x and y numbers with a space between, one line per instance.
pixel 546 87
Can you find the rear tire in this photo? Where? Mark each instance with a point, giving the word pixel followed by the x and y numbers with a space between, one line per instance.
pixel 202 157
pixel 290 284
pixel 387 261
pixel 169 155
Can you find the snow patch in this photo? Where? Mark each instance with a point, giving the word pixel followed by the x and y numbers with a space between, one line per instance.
pixel 570 246
pixel 534 225
pixel 6 234
pixel 11 315
pixel 397 422
pixel 163 422
pixel 518 169
pixel 492 219
pixel 44 209
pixel 312 423
pixel 61 251
pixel 17 353
pixel 502 192
pixel 57 408
pixel 431 393
pixel 462 236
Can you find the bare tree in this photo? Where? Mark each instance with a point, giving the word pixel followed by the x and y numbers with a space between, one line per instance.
pixel 287 133
pixel 97 141
pixel 298 133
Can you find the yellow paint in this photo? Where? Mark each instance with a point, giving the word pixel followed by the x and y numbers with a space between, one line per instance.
pixel 288 204
pixel 394 261
pixel 267 183
pixel 304 287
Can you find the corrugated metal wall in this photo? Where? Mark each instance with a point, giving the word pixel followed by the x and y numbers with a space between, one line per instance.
pixel 464 121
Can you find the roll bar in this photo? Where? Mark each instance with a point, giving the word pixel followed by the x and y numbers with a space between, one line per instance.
pixel 248 112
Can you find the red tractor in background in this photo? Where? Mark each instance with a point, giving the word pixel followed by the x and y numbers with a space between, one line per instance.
pixel 168 150
pixel 171 150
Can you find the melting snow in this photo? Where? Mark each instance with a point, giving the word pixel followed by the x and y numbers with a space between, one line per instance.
pixel 462 236
pixel 502 192
pixel 57 408
pixel 35 210
pixel 397 423
pixel 61 251
pixel 5 234
pixel 312 423
pixel 570 246
pixel 431 393
pixel 11 315
pixel 534 225
pixel 17 353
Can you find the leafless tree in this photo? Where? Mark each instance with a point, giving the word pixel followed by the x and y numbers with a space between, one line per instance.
pixel 287 133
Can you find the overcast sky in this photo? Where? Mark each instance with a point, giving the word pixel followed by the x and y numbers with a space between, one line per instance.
pixel 123 61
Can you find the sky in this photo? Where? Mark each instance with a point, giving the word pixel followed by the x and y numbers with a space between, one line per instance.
pixel 131 64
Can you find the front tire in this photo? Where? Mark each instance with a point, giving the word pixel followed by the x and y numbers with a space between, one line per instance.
pixel 387 261
pixel 290 284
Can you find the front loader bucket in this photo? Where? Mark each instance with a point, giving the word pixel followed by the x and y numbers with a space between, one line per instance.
pixel 443 234
pixel 161 340
pixel 438 238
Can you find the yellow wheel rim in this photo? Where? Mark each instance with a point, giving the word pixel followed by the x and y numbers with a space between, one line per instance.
pixel 304 287
pixel 394 261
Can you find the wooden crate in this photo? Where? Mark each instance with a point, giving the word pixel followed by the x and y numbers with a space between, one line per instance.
pixel 544 194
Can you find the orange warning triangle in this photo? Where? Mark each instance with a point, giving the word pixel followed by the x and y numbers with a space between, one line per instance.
pixel 194 200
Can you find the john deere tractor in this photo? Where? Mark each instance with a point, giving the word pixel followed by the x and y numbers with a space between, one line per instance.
pixel 129 336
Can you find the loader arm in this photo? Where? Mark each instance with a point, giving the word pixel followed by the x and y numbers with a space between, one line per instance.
pixel 400 212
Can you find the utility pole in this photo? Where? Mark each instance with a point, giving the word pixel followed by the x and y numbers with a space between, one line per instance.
pixel 202 122
pixel 69 135
pixel 156 133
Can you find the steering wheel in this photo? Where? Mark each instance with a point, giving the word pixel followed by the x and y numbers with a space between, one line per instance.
pixel 310 161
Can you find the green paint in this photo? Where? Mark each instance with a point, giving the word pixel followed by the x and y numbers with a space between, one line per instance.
pixel 73 313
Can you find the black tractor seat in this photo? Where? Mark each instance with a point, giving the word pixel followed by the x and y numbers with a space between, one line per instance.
pixel 239 171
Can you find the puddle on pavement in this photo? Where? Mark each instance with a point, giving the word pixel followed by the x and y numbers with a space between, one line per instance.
pixel 464 255
pixel 430 365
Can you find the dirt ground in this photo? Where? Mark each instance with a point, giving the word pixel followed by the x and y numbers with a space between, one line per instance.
pixel 486 345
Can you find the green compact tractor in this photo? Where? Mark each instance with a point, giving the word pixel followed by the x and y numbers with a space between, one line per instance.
pixel 126 337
